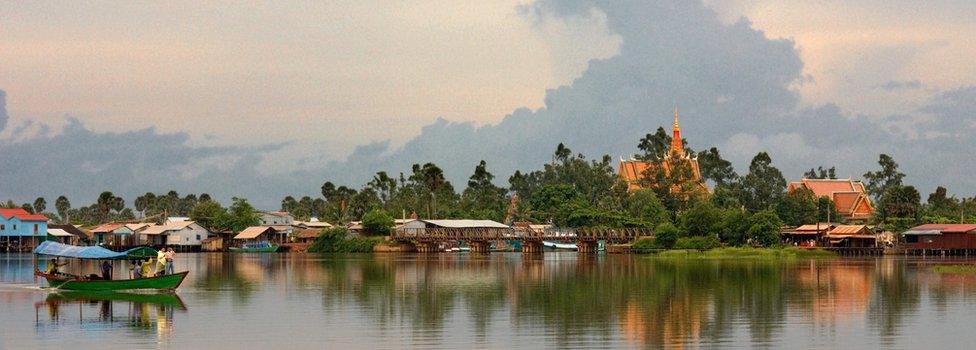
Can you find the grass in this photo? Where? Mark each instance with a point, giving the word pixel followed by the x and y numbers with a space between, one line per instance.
pixel 748 253
pixel 955 269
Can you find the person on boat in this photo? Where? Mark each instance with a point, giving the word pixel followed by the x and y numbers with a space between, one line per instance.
pixel 146 270
pixel 169 256
pixel 53 265
pixel 135 269
pixel 106 270
pixel 161 262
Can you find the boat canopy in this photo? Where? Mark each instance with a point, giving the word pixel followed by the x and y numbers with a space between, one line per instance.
pixel 95 253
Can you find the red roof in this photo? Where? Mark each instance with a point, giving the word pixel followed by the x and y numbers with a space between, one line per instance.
pixel 946 228
pixel 21 214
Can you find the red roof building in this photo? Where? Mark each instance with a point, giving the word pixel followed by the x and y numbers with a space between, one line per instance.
pixel 634 172
pixel 849 196
pixel 21 214
pixel 941 237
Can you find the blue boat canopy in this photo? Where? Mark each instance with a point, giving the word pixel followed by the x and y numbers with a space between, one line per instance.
pixel 94 253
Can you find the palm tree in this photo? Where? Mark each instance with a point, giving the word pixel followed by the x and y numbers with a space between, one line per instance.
pixel 39 205
pixel 62 205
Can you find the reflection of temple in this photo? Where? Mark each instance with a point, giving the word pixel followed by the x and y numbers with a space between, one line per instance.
pixel 678 168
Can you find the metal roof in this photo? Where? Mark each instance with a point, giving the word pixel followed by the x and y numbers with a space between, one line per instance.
pixel 253 232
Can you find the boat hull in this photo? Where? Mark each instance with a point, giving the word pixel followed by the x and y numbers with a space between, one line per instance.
pixel 164 282
pixel 270 249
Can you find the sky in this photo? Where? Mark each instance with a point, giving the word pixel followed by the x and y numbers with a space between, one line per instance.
pixel 267 100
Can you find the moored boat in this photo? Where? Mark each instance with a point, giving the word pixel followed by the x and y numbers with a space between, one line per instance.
pixel 256 247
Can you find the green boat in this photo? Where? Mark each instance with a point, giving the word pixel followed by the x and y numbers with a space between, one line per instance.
pixel 72 282
pixel 65 281
pixel 256 247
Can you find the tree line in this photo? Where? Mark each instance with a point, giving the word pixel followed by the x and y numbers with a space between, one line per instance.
pixel 570 190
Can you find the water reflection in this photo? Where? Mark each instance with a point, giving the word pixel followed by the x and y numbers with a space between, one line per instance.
pixel 551 300
pixel 144 313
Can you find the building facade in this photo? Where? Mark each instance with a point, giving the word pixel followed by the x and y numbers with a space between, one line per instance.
pixel 20 229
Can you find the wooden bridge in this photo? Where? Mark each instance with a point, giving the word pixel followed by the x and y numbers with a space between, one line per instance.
pixel 479 239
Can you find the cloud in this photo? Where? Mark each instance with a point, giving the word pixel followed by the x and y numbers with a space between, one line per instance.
pixel 3 110
pixel 736 89
pixel 899 85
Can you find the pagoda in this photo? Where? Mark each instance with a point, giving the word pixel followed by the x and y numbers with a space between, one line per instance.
pixel 640 174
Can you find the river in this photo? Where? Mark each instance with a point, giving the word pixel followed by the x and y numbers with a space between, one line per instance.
pixel 504 300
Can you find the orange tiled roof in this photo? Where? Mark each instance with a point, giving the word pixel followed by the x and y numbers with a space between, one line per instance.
pixel 848 195
pixel 849 230
pixel 631 171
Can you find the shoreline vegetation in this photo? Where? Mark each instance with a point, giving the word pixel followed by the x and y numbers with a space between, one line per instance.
pixel 741 253
pixel 960 269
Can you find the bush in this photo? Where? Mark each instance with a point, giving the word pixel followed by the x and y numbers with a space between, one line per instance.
pixel 703 219
pixel 377 222
pixel 698 243
pixel 665 235
pixel 336 240
pixel 644 244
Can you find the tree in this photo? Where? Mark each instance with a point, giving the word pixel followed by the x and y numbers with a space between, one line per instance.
pixel 385 187
pixel 482 199
pixel 39 205
pixel 735 229
pixel 656 146
pixel 714 168
pixel 798 207
pixel 644 205
pixel 827 210
pixel 900 202
pixel 239 216
pixel 28 207
pixel 703 219
pixel 821 173
pixel 763 186
pixel 665 235
pixel 878 182
pixel 378 223
pixel 431 179
pixel 288 204
pixel 547 201
pixel 208 214
pixel 764 228
pixel 106 202
pixel 62 205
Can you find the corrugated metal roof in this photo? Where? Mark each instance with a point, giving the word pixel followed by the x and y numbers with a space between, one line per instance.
pixel 465 223
pixel 253 232
pixel 848 230
pixel 946 228
pixel 58 232
pixel 107 227
pixel 21 214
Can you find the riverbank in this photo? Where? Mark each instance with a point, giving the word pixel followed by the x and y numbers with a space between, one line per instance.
pixel 745 253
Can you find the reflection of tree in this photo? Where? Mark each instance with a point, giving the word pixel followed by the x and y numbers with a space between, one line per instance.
pixel 897 296
pixel 229 272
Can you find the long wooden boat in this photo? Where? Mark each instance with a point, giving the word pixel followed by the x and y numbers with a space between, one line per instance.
pixel 71 282
pixel 259 247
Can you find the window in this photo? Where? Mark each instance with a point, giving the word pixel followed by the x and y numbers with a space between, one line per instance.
pixel 198 237
pixel 35 228
pixel 15 227
pixel 1 227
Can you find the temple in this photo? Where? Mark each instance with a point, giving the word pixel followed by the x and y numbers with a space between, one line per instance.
pixel 640 174
pixel 849 196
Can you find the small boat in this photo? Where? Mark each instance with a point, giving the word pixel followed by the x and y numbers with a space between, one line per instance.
pixel 256 247
pixel 559 246
pixel 93 283
pixel 72 282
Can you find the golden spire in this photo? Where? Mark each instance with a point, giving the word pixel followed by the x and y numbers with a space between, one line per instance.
pixel 676 116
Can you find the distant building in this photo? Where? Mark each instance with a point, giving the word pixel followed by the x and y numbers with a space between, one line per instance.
pixel 312 223
pixel 849 196
pixel 260 233
pixel 635 172
pixel 941 237
pixel 276 218
pixel 77 236
pixel 20 226
pixel 114 234
pixel 185 234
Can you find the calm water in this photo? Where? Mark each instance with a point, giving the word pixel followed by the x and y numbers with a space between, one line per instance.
pixel 506 300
